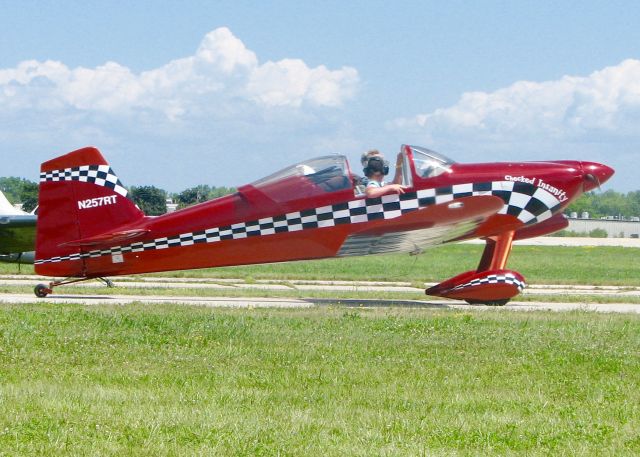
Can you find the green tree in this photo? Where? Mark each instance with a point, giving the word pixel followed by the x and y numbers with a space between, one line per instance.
pixel 20 190
pixel 634 203
pixel 11 187
pixel 221 191
pixel 582 204
pixel 151 200
pixel 609 203
pixel 193 195
pixel 29 196
pixel 200 194
pixel 612 203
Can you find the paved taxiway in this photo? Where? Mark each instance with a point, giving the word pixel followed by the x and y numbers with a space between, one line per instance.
pixel 222 284
pixel 252 302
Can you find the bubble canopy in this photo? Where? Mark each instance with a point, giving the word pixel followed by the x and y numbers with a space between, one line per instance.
pixel 428 163
pixel 331 173
pixel 318 176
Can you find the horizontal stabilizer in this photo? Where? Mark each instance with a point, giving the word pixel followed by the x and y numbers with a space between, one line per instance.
pixel 107 239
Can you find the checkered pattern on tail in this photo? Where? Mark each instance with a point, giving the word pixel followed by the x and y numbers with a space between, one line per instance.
pixel 506 278
pixel 530 205
pixel 101 175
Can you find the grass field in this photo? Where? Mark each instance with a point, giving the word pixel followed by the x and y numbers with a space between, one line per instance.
pixel 543 265
pixel 165 380
pixel 539 264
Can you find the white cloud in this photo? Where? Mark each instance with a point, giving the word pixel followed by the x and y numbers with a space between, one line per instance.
pixel 291 82
pixel 221 72
pixel 607 102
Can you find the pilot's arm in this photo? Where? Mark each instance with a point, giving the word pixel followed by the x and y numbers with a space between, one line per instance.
pixel 374 191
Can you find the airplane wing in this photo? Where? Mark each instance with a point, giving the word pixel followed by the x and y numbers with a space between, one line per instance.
pixel 17 229
pixel 17 233
pixel 431 226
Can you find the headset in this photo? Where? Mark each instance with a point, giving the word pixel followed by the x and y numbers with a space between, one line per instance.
pixel 376 164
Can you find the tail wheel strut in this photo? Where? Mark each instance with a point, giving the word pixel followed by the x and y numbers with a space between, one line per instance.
pixel 42 290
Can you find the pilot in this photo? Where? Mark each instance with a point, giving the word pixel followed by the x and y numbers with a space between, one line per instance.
pixel 375 169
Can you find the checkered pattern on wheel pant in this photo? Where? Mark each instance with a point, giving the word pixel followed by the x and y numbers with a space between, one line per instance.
pixel 528 204
pixel 100 175
pixel 506 278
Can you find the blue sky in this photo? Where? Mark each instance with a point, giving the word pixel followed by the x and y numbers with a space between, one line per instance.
pixel 181 93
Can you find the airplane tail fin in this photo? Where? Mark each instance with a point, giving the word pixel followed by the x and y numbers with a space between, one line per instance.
pixel 80 197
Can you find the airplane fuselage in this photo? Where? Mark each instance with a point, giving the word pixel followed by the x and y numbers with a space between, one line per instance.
pixel 261 224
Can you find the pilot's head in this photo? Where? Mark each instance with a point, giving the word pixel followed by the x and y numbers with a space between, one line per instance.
pixel 376 167
pixel 364 159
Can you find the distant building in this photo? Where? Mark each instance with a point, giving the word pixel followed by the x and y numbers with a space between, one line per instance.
pixel 171 207
pixel 615 228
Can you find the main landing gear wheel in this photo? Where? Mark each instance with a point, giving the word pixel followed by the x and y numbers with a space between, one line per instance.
pixel 489 303
pixel 41 291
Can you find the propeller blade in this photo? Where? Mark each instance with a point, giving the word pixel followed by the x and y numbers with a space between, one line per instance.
pixel 593 178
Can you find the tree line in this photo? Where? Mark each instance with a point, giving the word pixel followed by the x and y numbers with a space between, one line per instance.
pixel 150 199
pixel 609 203
pixel 153 200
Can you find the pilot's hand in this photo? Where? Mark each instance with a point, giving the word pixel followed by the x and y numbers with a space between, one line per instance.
pixel 398 188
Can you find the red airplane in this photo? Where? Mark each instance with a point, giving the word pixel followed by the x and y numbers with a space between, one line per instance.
pixel 87 227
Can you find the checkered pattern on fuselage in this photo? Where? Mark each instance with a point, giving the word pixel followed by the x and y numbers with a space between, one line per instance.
pixel 527 202
pixel 530 205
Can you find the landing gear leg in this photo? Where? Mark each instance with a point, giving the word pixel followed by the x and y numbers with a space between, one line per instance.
pixel 496 252
pixel 495 257
pixel 490 284
pixel 107 282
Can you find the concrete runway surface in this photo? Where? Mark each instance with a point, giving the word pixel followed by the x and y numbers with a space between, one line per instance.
pixel 395 287
pixel 254 302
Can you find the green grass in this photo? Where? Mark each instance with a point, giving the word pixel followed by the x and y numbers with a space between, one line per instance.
pixel 541 265
pixel 168 380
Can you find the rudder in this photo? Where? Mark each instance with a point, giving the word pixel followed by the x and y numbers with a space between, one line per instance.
pixel 80 197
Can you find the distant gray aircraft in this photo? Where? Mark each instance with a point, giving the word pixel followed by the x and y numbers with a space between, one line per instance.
pixel 17 233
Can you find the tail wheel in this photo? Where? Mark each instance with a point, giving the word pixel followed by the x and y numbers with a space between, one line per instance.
pixel 489 303
pixel 41 291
